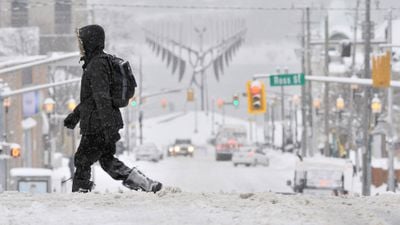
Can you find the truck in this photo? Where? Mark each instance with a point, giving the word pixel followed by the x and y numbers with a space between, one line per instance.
pixel 229 138
pixel 322 176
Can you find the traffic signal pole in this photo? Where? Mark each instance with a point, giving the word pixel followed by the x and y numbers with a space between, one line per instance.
pixel 303 93
pixel 327 150
pixel 309 97
pixel 366 171
pixel 391 172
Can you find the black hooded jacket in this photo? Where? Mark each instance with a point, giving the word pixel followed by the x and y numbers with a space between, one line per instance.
pixel 95 110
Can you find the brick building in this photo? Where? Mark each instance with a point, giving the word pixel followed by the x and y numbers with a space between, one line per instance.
pixel 56 20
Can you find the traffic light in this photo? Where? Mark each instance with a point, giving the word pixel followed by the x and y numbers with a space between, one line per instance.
pixel 133 102
pixel 346 50
pixel 381 70
pixel 235 101
pixel 220 103
pixel 256 98
pixel 190 95
pixel 164 103
pixel 15 150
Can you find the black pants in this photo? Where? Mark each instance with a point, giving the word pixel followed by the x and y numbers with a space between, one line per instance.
pixel 92 149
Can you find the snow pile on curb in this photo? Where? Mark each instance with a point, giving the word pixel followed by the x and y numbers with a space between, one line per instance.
pixel 171 206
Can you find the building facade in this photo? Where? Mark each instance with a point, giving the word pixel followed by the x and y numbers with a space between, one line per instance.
pixel 56 20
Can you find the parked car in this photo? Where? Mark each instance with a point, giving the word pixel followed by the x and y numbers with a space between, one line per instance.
pixel 181 147
pixel 148 152
pixel 250 156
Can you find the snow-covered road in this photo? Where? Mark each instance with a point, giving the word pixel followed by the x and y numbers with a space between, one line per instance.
pixel 173 207
pixel 203 174
pixel 198 191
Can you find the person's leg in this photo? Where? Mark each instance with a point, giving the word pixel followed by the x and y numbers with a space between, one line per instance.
pixel 132 178
pixel 113 166
pixel 87 154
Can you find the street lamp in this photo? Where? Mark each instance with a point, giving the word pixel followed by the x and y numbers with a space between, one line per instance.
pixel 315 113
pixel 354 86
pixel 48 107
pixel 317 104
pixel 339 107
pixel 7 103
pixel 71 104
pixel 376 107
pixel 340 103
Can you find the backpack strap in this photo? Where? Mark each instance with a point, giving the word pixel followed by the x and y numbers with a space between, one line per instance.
pixel 109 58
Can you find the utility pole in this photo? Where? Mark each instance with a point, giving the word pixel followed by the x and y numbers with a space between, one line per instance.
pixel 303 95
pixel 327 151
pixel 352 147
pixel 140 101
pixel 273 124
pixel 354 46
pixel 366 178
pixel 309 84
pixel 266 128
pixel 391 176
pixel 201 32
pixel 3 162
pixel 282 112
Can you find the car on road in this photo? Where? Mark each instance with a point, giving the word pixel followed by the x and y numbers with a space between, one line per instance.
pixel 181 147
pixel 148 152
pixel 229 138
pixel 250 156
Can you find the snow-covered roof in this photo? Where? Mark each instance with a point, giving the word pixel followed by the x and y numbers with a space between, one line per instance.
pixel 35 172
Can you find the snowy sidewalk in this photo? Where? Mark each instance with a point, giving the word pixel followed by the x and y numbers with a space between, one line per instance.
pixel 174 207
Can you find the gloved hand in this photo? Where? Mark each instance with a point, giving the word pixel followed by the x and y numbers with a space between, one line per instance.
pixel 71 120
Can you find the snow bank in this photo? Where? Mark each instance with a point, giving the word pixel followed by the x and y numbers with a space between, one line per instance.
pixel 174 207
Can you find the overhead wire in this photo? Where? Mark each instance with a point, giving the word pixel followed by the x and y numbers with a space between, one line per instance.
pixel 32 4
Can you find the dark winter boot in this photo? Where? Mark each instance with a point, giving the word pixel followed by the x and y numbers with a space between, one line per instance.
pixel 138 181
pixel 83 186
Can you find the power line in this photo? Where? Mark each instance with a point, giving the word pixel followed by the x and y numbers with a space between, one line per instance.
pixel 33 4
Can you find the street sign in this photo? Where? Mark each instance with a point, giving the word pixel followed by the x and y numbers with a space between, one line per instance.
pixel 287 79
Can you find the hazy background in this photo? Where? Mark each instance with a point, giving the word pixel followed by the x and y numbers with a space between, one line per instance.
pixel 270 42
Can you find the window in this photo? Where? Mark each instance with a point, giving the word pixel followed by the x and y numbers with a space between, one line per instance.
pixel 19 13
pixel 27 76
pixel 62 17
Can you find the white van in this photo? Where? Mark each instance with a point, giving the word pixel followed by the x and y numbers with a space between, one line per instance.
pixel 322 175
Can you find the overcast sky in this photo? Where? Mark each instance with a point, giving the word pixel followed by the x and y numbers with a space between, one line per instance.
pixel 271 39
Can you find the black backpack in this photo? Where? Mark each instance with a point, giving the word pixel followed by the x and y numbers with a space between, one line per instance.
pixel 122 82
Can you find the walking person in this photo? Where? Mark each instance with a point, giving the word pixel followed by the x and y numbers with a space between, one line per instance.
pixel 99 119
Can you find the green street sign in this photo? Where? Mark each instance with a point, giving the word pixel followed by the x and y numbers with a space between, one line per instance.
pixel 291 79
